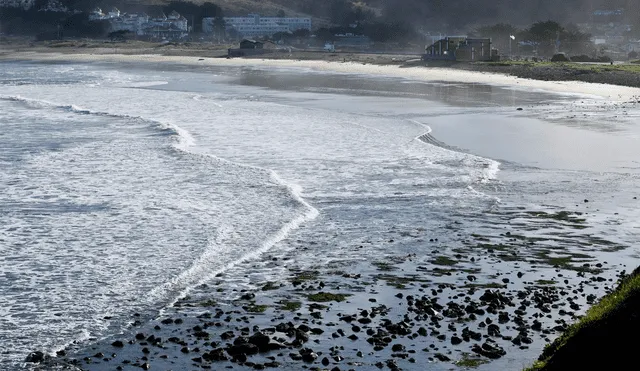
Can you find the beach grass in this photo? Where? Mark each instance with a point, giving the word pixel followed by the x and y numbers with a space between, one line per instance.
pixel 629 287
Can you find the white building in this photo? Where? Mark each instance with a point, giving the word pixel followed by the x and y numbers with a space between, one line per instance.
pixel 254 25
pixel 25 4
pixel 143 25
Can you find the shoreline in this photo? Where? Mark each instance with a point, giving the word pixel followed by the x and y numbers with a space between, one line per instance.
pixel 363 316
pixel 399 312
pixel 388 66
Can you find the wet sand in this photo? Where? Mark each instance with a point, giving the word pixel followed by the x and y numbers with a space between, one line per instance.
pixel 492 303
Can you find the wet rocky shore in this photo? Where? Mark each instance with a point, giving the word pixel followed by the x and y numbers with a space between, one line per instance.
pixel 488 305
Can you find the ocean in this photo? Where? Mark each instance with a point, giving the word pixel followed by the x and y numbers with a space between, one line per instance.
pixel 125 186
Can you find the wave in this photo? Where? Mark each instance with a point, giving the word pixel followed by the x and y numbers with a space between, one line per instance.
pixel 197 273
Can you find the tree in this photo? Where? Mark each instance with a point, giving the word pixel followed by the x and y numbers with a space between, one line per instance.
pixel 120 35
pixel 543 32
pixel 301 33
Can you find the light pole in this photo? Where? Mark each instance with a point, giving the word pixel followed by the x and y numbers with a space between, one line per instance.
pixel 511 38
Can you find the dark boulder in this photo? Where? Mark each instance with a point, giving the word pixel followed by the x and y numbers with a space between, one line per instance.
pixel 36 357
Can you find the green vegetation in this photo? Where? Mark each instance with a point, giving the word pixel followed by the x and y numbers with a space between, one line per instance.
pixel 208 303
pixel 400 282
pixel 303 276
pixel 564 216
pixel 594 317
pixel 384 266
pixel 443 260
pixel 490 285
pixel 255 308
pixel 323 297
pixel 468 361
pixel 586 68
pixel 270 286
pixel 546 282
pixel 291 306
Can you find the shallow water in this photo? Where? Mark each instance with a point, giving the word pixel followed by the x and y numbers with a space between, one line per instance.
pixel 123 187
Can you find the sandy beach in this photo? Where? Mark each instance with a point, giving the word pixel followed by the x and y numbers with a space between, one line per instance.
pixel 484 291
pixel 386 65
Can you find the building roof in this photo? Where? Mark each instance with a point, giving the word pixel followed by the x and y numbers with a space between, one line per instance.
pixel 251 41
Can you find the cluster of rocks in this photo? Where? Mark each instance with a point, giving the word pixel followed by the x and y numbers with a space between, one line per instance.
pixel 396 320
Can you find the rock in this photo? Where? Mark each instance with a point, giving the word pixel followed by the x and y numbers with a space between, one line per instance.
pixel 273 345
pixel 145 366
pixel 240 358
pixel 215 355
pixel 301 336
pixel 489 350
pixel 455 340
pixel 493 330
pixel 441 357
pixel 35 357
pixel 260 340
pixel 391 363
pixel 117 344
pixel 226 335
pixel 397 348
pixel 247 349
pixel 309 356
pixel 325 361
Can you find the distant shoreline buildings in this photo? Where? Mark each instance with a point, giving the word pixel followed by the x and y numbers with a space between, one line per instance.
pixel 255 25
pixel 174 26
pixel 25 4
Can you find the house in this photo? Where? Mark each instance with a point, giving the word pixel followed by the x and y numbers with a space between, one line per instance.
pixel 24 4
pixel 255 25
pixel 461 48
pixel 161 26
pixel 249 47
pixel 251 44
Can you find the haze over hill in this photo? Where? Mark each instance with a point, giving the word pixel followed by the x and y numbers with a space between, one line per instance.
pixel 442 15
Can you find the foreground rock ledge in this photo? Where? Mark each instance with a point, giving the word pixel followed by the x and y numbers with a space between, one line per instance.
pixel 605 338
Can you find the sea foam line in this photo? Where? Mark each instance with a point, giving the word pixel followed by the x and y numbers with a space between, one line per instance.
pixel 184 142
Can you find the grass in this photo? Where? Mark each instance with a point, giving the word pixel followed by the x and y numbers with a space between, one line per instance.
pixel 323 297
pixel 593 67
pixel 596 313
